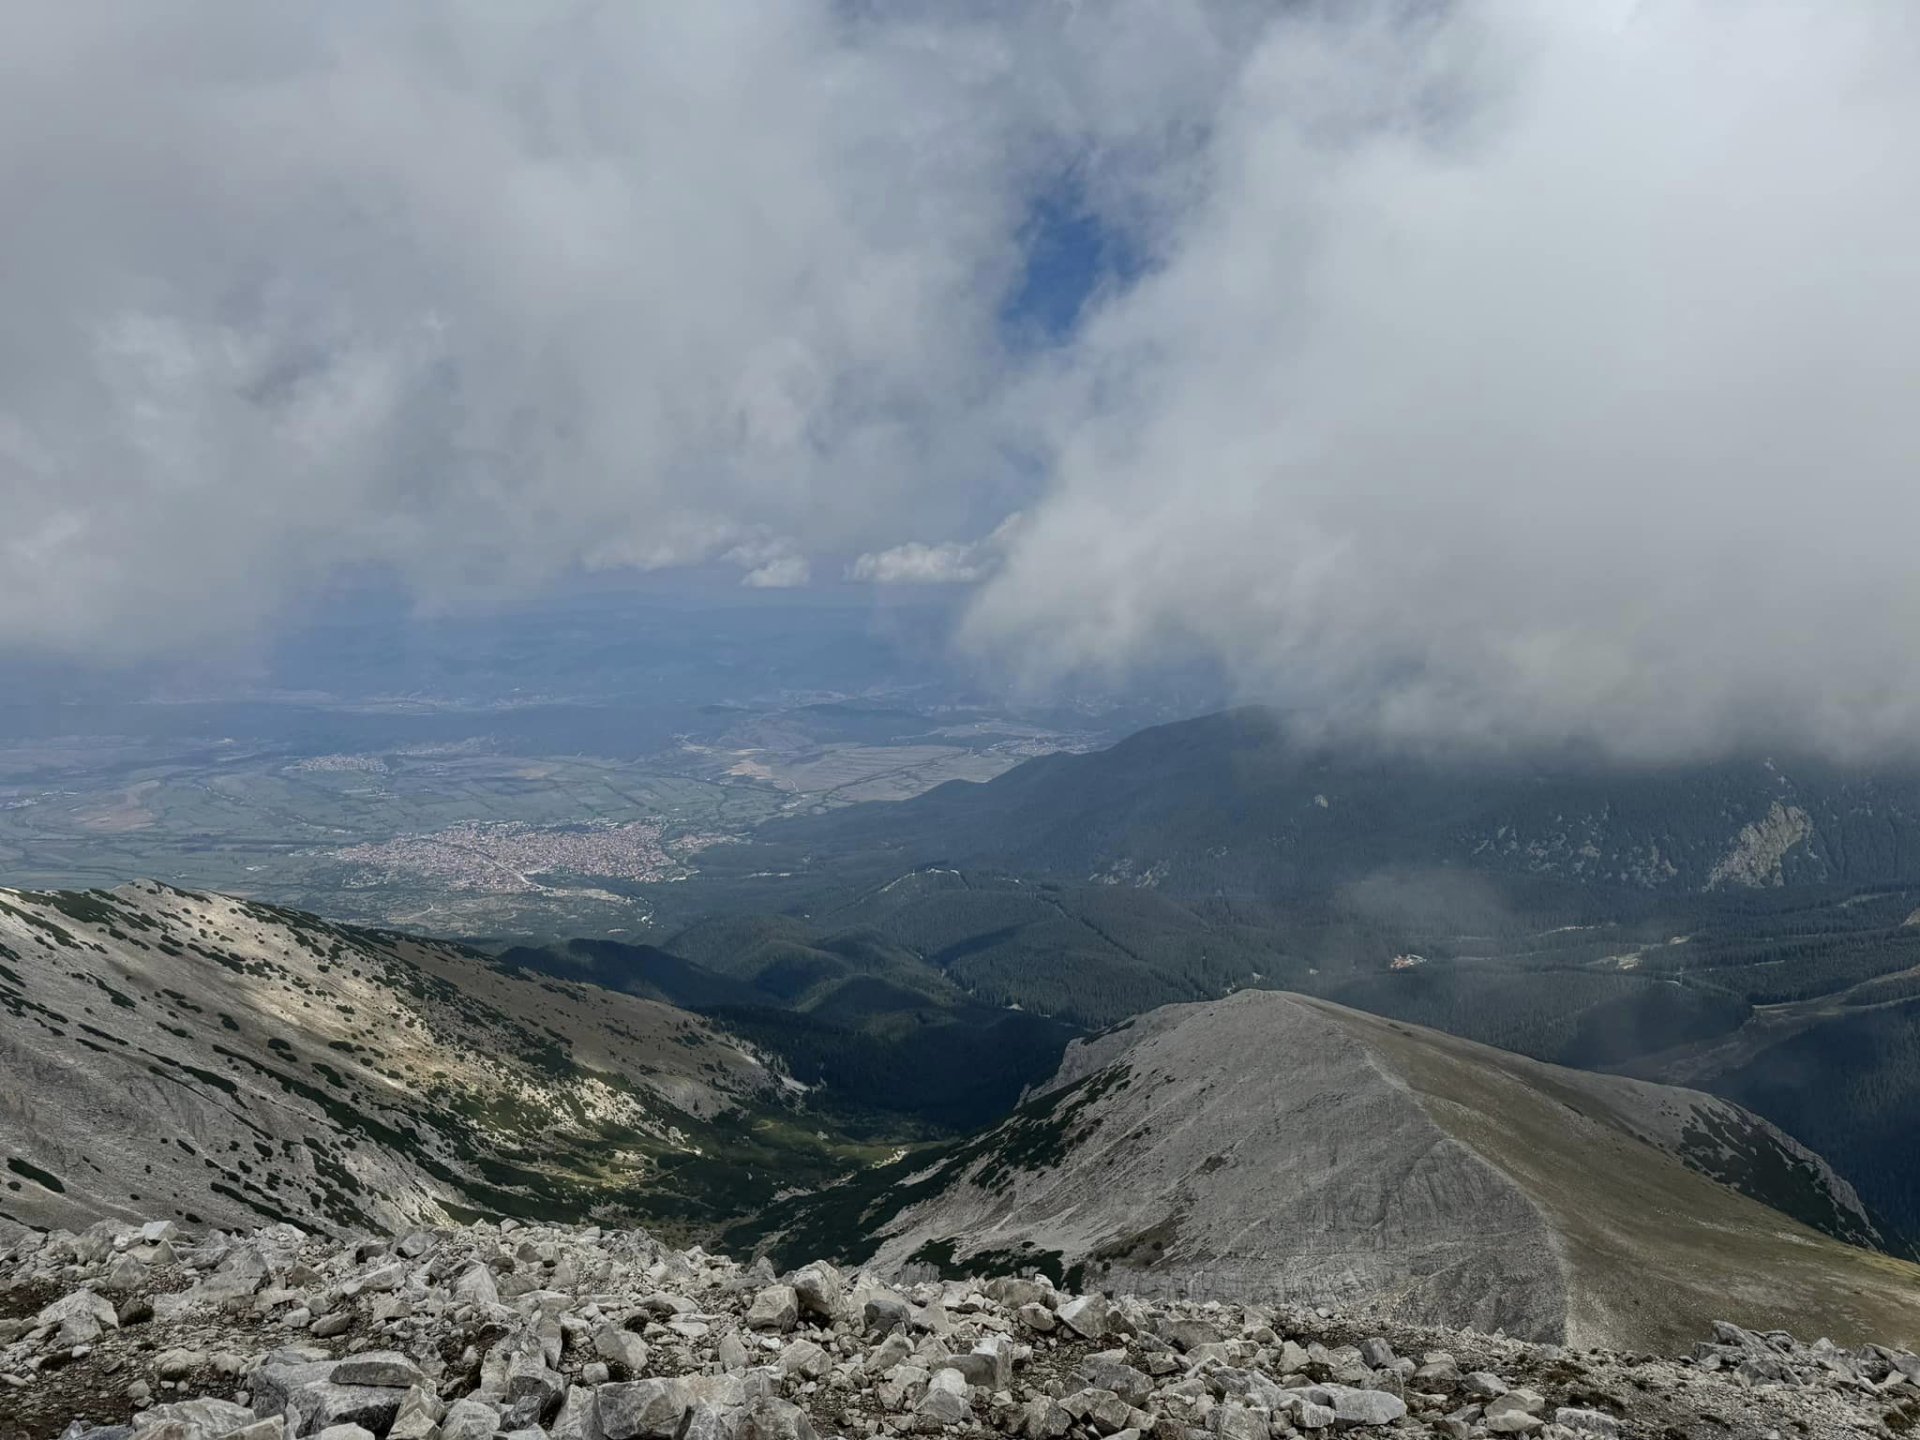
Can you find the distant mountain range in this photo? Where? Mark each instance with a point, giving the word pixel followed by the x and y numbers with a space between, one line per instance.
pixel 1233 803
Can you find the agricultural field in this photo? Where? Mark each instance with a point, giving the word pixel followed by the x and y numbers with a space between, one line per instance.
pixel 469 835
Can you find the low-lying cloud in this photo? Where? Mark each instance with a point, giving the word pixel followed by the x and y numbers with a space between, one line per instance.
pixel 1493 370
pixel 948 563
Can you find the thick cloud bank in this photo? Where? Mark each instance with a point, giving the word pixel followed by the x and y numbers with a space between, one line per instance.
pixel 1498 369
pixel 1556 374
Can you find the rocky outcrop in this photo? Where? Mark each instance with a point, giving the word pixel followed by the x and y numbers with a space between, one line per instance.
pixel 218 1061
pixel 559 1333
pixel 1758 854
pixel 1272 1146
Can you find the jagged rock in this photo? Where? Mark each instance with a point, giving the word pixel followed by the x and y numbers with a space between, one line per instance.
pixel 1044 1418
pixel 947 1401
pixel 902 1386
pixel 578 1417
pixel 1312 1415
pixel 1102 1372
pixel 647 1408
pixel 820 1291
pixel 775 1308
pixel 276 1381
pixel 476 1285
pixel 321 1403
pixel 377 1367
pixel 1011 1292
pixel 1102 1409
pixel 127 1273
pixel 205 1417
pixel 1183 1335
pixel 885 1312
pixel 1001 1356
pixel 418 1417
pixel 1086 1315
pixel 80 1317
pixel 725 1390
pixel 662 1305
pixel 1230 1421
pixel 1514 1422
pixel 770 1418
pixel 469 1420
pixel 1037 1317
pixel 1366 1407
pixel 533 1390
pixel 806 1359
pixel 622 1348
pixel 177 1364
pixel 1507 1402
pixel 1587 1422
pixel 708 1422
pixel 888 1353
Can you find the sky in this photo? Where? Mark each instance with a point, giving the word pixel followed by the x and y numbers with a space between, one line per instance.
pixel 1499 372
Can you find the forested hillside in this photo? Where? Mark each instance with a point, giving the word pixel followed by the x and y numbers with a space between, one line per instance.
pixel 1233 803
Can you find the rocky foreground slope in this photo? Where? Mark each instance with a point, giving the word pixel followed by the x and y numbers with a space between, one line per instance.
pixel 556 1333
pixel 1269 1145
pixel 208 1059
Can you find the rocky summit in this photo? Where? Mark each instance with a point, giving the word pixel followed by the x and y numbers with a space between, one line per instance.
pixel 143 1332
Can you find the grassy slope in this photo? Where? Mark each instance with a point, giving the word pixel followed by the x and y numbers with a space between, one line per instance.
pixel 1655 1248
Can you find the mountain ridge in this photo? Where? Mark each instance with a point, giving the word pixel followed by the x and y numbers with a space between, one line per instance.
pixel 1238 800
pixel 1280 1145
pixel 230 1062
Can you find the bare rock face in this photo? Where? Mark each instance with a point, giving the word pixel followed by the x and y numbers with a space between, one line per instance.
pixel 1759 851
pixel 424 1358
pixel 1268 1146
pixel 200 1055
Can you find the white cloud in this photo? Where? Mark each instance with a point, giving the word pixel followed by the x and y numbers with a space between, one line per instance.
pixel 783 573
pixel 952 562
pixel 1532 372
pixel 914 563
pixel 480 292
pixel 1496 369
